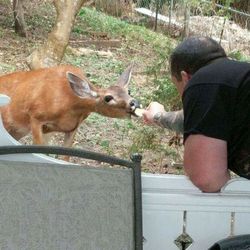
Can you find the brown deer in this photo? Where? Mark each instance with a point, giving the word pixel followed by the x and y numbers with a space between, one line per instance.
pixel 58 99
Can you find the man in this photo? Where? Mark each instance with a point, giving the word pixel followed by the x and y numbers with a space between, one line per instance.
pixel 215 94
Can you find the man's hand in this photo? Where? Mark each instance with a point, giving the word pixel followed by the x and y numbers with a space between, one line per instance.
pixel 152 109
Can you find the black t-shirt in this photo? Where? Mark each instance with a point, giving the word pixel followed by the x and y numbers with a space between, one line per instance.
pixel 216 103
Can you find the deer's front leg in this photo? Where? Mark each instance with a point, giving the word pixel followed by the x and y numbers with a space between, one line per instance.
pixel 68 141
pixel 37 131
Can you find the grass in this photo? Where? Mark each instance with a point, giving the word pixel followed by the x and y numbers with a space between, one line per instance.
pixel 92 20
pixel 238 55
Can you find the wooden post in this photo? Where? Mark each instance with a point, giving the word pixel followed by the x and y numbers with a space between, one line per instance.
pixel 156 13
pixel 186 21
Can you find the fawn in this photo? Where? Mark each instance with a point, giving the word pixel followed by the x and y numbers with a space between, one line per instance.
pixel 58 99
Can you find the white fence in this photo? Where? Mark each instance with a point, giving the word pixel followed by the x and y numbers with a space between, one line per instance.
pixel 175 213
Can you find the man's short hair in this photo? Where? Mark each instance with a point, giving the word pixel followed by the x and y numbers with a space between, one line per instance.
pixel 193 53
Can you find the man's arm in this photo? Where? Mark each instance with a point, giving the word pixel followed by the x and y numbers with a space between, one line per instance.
pixel 171 120
pixel 205 162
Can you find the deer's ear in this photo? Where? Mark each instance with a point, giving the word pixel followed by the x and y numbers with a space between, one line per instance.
pixel 80 86
pixel 125 77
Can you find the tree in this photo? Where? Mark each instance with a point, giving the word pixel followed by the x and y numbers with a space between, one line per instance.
pixel 20 25
pixel 52 51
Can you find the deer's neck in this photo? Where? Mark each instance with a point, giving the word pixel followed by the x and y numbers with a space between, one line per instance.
pixel 86 106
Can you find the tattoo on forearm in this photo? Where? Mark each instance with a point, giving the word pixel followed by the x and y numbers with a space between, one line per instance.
pixel 173 120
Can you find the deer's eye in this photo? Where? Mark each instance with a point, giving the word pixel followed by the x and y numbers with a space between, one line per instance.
pixel 108 98
pixel 129 91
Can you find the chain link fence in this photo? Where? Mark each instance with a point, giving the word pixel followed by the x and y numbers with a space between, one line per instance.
pixel 228 24
pixel 238 11
pixel 181 18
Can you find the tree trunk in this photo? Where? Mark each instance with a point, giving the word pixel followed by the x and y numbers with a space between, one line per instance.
pixel 52 51
pixel 20 25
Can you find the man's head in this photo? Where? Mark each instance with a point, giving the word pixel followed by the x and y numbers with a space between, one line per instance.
pixel 192 54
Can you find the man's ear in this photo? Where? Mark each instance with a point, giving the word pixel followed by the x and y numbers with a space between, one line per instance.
pixel 185 77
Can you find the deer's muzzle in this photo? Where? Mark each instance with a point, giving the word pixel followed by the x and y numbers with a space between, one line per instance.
pixel 134 104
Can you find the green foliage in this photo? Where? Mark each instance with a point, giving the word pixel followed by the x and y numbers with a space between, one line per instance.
pixel 7 67
pixel 237 55
pixel 98 21
pixel 152 140
pixel 105 144
pixel 144 138
pixel 166 93
pixel 92 20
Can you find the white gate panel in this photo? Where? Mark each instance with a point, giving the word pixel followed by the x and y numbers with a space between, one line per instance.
pixel 242 223
pixel 205 227
pixel 161 228
pixel 203 218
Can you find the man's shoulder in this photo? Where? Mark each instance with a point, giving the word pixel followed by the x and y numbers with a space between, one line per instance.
pixel 223 72
pixel 226 64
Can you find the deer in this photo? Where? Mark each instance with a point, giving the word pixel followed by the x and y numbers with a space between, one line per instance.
pixel 58 99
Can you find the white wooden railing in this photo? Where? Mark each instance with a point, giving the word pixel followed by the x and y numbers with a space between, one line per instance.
pixel 172 207
pixel 176 215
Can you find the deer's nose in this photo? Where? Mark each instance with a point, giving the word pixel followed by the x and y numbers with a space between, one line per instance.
pixel 134 104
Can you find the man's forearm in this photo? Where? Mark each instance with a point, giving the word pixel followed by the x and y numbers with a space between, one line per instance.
pixel 173 120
